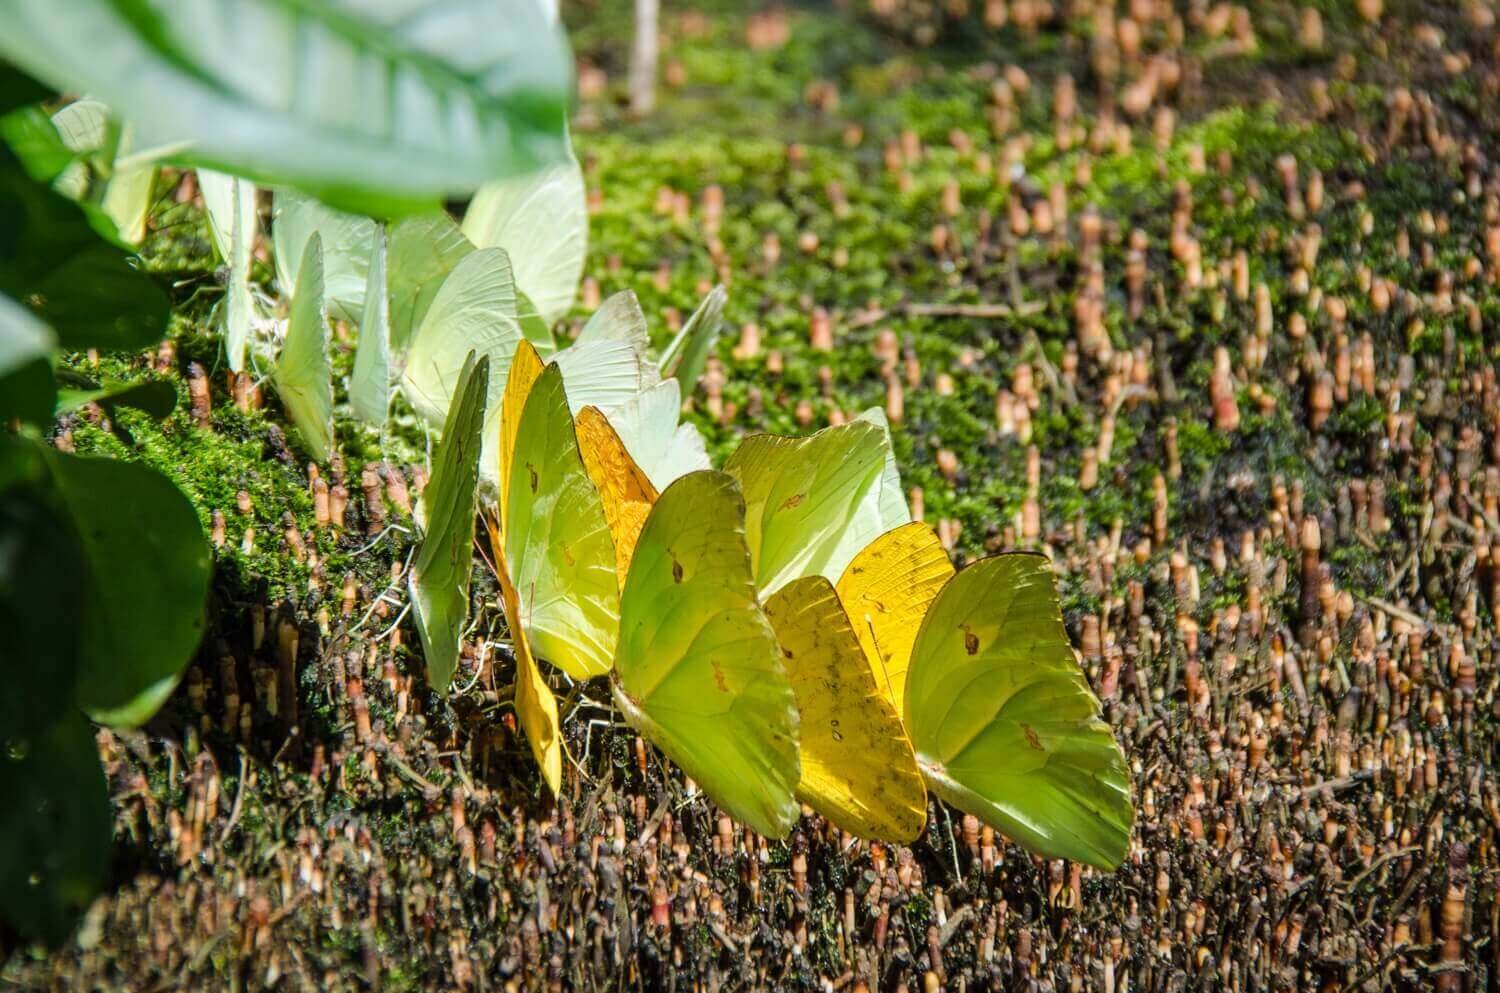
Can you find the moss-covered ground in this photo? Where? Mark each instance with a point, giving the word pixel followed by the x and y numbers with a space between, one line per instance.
pixel 1200 298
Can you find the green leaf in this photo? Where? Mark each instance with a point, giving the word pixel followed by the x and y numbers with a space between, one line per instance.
pixel 53 260
pixel 155 397
pixel 18 89
pixel 23 338
pixel 146 563
pixel 688 351
pixel 27 390
pixel 1003 722
pixel 34 138
pixel 412 104
pixel 439 581
pixel 55 829
pixel 28 393
pixel 40 595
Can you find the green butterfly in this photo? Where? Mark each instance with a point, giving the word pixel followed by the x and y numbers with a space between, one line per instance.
pixel 370 381
pixel 232 221
pixel 303 375
pixel 1003 722
pixel 439 580
pixel 541 218
pixel 346 238
pixel 814 502
pixel 698 670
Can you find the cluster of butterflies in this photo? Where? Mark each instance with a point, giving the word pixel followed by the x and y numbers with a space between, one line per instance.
pixel 425 291
pixel 781 629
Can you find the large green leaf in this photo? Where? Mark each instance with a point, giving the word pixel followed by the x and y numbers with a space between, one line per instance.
pixel 376 106
pixel 18 89
pixel 146 566
pixel 27 389
pixel 54 829
pixel 1005 726
pixel 439 581
pixel 41 591
pixel 53 259
pixel 23 338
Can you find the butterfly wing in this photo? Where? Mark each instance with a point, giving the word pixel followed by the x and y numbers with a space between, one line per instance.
pixel 858 769
pixel 232 220
pixel 698 670
pixel 439 580
pixel 370 382
pixel 475 310
pixel 346 239
pixel 303 375
pixel 886 590
pixel 422 251
pixel 649 425
pixel 1003 722
pixel 541 218
pixel 557 541
pixel 801 495
pixel 624 490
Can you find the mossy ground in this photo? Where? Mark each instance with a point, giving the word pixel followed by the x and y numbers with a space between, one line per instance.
pixel 865 177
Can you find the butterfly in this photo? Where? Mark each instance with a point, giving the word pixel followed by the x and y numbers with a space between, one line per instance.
pixel 1001 719
pixel 698 669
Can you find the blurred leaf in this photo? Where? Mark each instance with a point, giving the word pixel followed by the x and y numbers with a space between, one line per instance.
pixel 53 260
pixel 147 558
pixel 34 138
pixel 23 338
pixel 40 595
pixel 27 390
pixel 55 829
pixel 18 89
pixel 413 104
pixel 155 397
